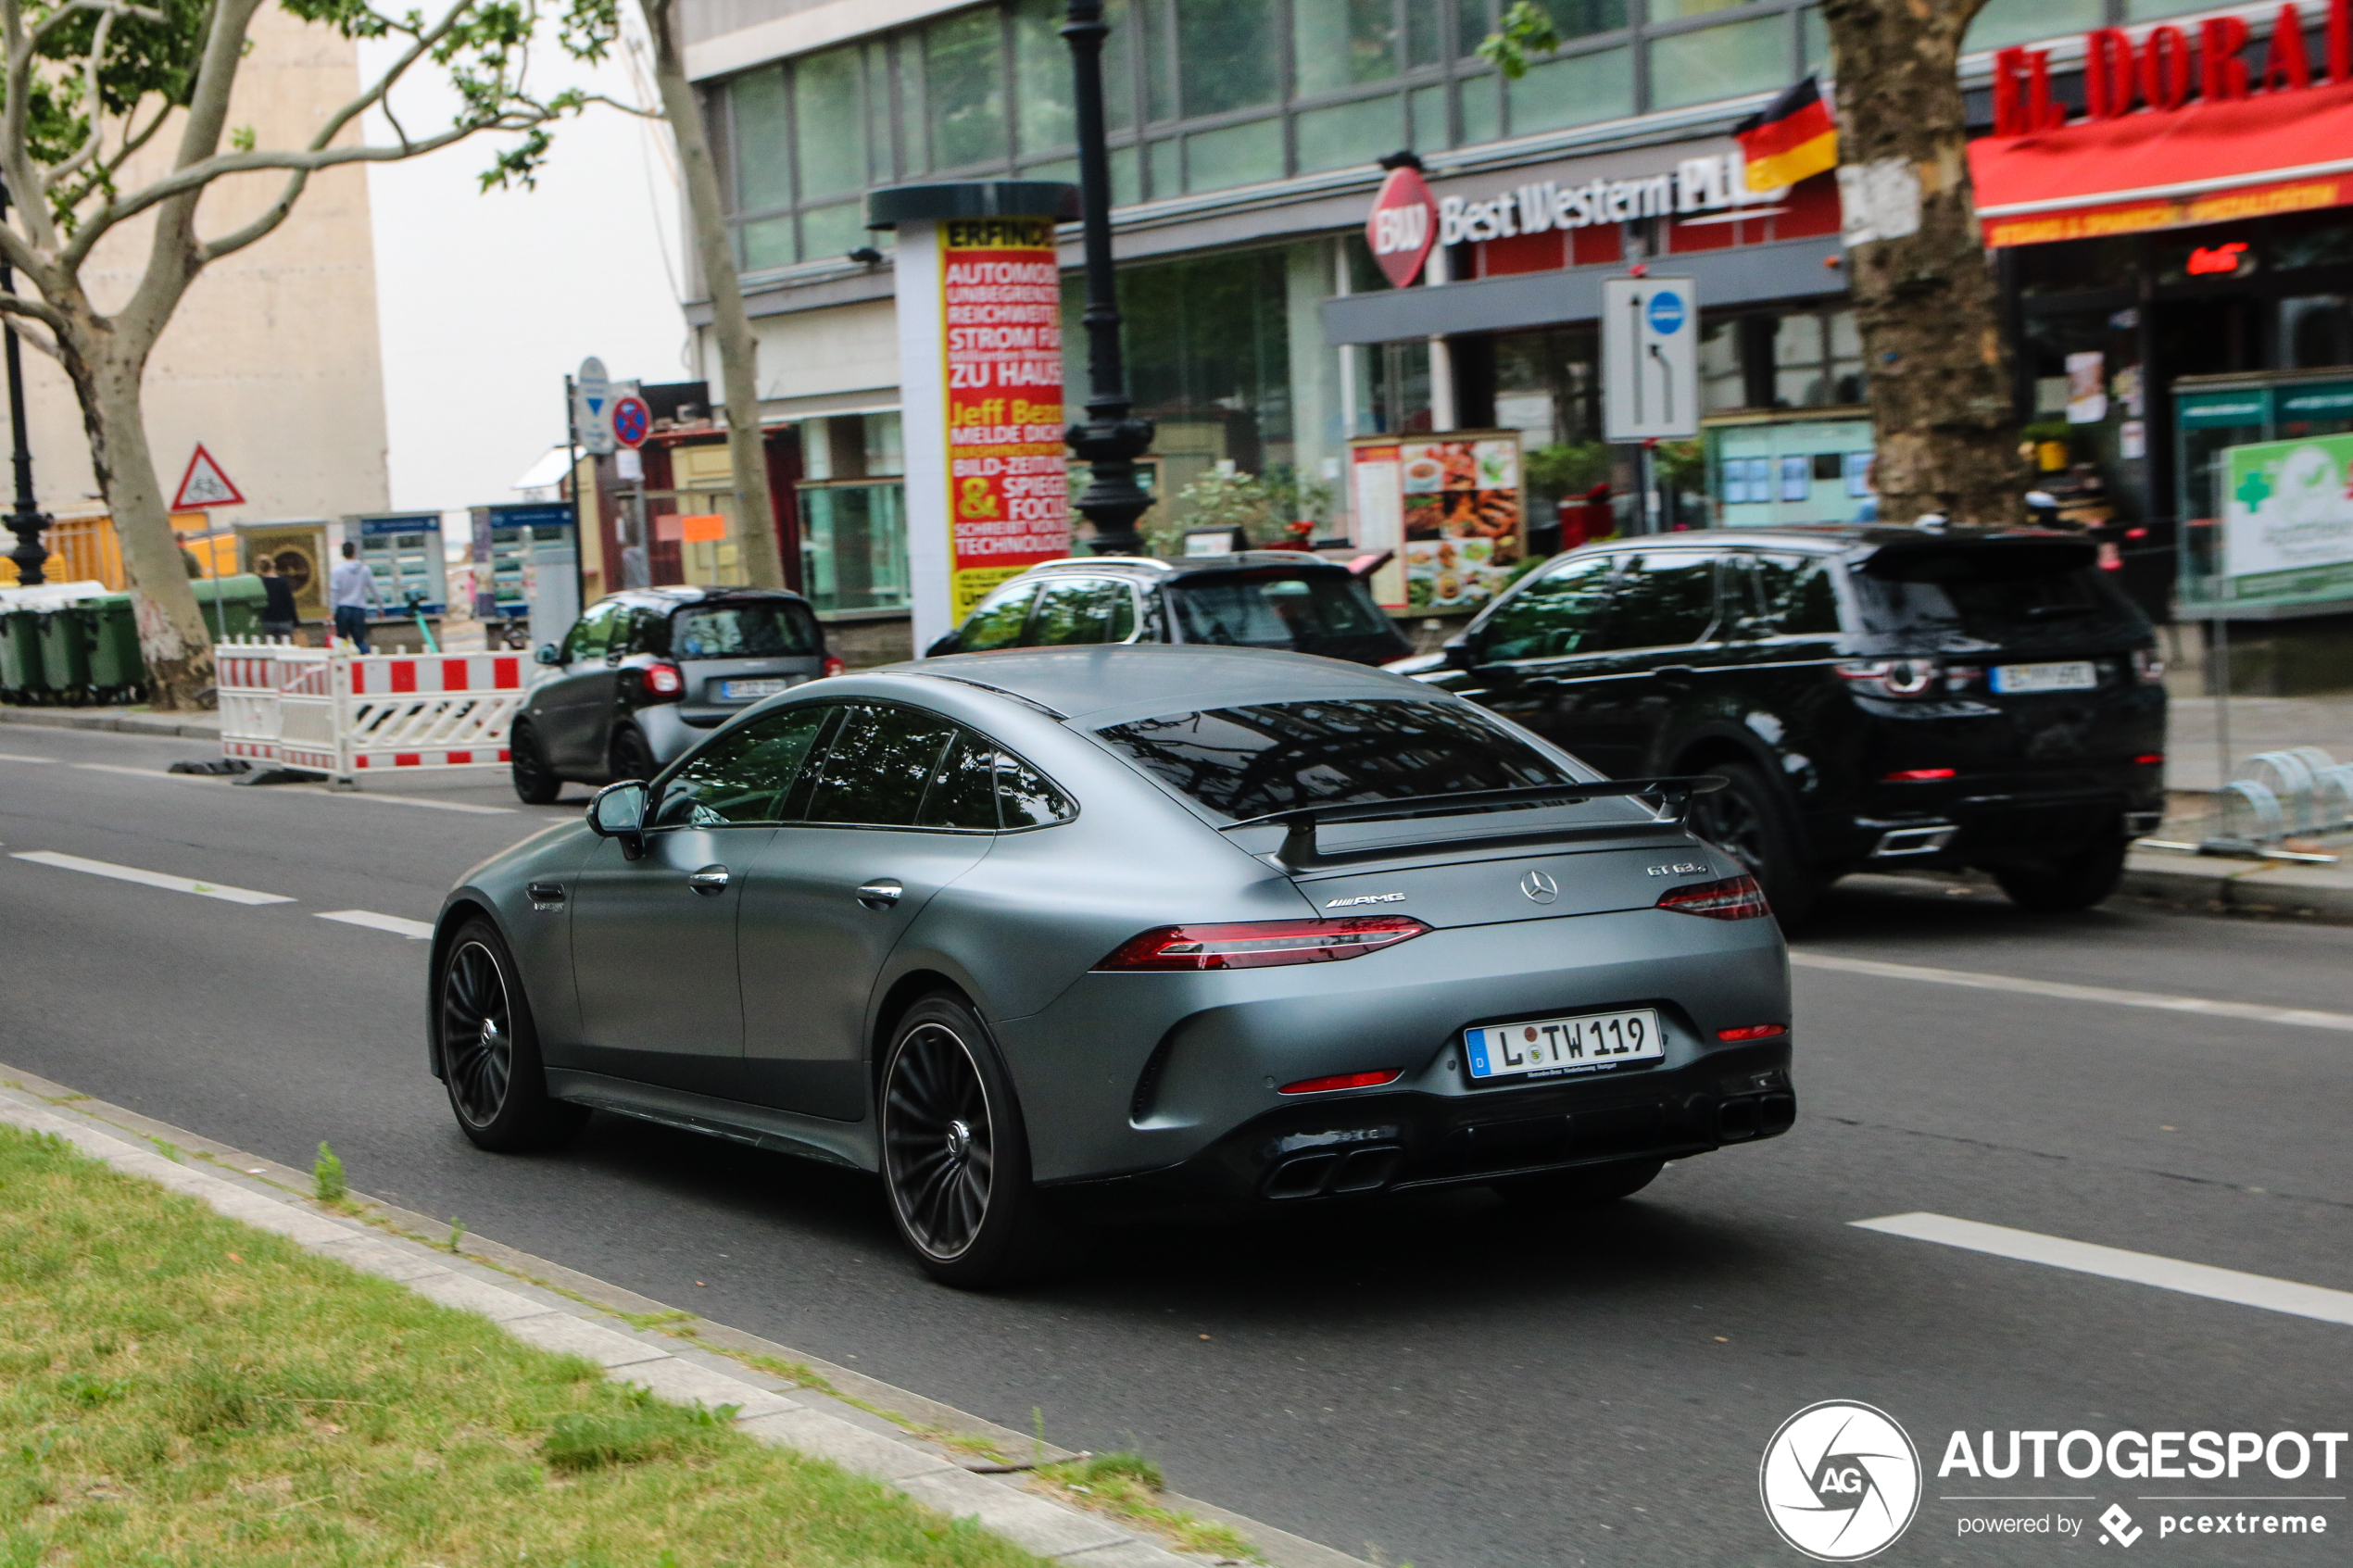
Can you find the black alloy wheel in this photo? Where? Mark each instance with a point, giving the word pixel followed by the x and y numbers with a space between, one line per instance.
pixel 955 1160
pixel 1745 818
pixel 535 782
pixel 632 757
pixel 489 1051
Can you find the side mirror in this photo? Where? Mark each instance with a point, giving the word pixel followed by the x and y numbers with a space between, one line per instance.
pixel 618 811
pixel 1460 655
pixel 548 654
pixel 952 643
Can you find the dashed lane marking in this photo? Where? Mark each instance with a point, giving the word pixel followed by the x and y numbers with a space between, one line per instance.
pixel 412 800
pixel 142 772
pixel 2302 1018
pixel 20 757
pixel 148 879
pixel 415 930
pixel 2113 1262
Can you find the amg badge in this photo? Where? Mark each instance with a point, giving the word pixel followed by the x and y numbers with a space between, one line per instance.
pixel 1366 898
pixel 1680 868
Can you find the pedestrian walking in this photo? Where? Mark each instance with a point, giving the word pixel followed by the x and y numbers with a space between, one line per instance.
pixel 352 589
pixel 278 615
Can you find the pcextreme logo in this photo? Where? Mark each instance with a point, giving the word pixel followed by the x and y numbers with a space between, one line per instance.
pixel 1840 1481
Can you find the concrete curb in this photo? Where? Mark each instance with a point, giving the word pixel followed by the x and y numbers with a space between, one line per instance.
pixel 194 727
pixel 2269 887
pixel 541 1303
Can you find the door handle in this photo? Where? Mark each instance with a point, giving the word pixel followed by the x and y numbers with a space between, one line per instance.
pixel 546 892
pixel 710 880
pixel 881 893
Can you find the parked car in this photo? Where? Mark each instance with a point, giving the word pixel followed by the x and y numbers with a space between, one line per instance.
pixel 1284 599
pixel 643 674
pixel 1876 698
pixel 1198 924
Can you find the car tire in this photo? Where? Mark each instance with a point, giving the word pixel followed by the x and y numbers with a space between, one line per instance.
pixel 2064 886
pixel 1748 820
pixel 1584 1187
pixel 489 1049
pixel 955 1155
pixel 631 758
pixel 537 784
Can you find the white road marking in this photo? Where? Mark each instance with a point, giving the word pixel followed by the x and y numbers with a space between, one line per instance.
pixel 148 879
pixel 2304 1018
pixel 412 800
pixel 2112 1262
pixel 20 757
pixel 415 930
pixel 144 773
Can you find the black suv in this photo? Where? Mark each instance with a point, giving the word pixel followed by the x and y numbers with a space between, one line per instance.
pixel 1256 598
pixel 1877 697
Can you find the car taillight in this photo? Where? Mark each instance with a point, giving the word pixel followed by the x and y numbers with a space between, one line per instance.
pixel 1890 677
pixel 1261 943
pixel 1342 1081
pixel 1735 898
pixel 1752 1032
pixel 834 666
pixel 664 680
pixel 2150 759
pixel 1916 775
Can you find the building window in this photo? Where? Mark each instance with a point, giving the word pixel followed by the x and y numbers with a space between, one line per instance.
pixel 965 89
pixel 1818 360
pixel 1226 55
pixel 829 123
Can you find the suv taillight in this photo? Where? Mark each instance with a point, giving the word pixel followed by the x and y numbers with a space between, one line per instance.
pixel 1261 943
pixel 833 665
pixel 1890 677
pixel 1735 898
pixel 664 682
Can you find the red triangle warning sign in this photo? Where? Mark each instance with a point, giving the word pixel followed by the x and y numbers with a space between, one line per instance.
pixel 205 485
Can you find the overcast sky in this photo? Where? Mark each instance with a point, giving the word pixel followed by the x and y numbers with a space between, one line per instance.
pixel 485 300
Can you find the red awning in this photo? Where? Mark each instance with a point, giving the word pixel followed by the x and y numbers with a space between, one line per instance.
pixel 2204 163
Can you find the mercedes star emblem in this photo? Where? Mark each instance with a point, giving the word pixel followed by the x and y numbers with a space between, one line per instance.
pixel 1539 886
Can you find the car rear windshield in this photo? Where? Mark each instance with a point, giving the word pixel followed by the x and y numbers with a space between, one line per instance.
pixel 1245 762
pixel 1993 592
pixel 1304 612
pixel 751 629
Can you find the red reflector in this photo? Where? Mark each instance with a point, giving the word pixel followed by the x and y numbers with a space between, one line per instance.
pixel 2150 759
pixel 1261 943
pixel 1735 898
pixel 1916 775
pixel 834 666
pixel 1752 1032
pixel 1342 1081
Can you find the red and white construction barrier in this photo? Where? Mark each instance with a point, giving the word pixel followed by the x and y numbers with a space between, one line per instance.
pixel 343 713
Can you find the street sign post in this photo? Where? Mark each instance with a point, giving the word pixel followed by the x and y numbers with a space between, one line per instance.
pixel 1650 358
pixel 592 400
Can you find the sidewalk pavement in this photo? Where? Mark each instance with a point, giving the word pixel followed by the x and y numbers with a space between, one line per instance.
pixel 2207 883
pixel 685 1361
pixel 192 724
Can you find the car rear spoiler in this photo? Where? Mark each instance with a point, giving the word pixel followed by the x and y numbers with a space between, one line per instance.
pixel 1298 850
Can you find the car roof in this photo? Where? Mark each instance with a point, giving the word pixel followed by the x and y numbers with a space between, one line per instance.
pixel 1826 537
pixel 1159 568
pixel 1104 683
pixel 676 595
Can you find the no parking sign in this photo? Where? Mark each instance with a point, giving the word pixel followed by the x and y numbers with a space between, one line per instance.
pixel 631 420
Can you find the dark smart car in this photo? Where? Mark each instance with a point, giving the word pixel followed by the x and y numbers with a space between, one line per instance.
pixel 1875 697
pixel 1131 925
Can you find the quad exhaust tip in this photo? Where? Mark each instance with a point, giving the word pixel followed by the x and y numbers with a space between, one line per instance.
pixel 1899 842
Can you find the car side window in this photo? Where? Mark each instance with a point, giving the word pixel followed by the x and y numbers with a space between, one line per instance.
pixel 1798 592
pixel 1559 612
pixel 1028 798
pixel 1081 610
pixel 1665 599
pixel 590 633
pixel 964 792
pixel 999 620
pixel 879 765
pixel 741 776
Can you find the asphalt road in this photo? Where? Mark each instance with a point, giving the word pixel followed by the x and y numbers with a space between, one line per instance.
pixel 1435 1381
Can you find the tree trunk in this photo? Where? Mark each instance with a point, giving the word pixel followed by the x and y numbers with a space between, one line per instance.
pixel 173 639
pixel 738 350
pixel 1943 414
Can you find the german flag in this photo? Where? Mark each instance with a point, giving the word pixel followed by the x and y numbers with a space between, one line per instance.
pixel 1791 137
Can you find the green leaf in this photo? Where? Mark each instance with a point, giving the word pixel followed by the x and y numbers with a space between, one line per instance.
pixel 1527 30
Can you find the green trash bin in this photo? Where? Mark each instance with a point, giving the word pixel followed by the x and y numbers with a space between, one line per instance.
pixel 111 634
pixel 20 675
pixel 65 658
pixel 231 605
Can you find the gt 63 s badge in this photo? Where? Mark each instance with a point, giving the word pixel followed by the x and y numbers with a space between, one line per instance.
pixel 1840 1481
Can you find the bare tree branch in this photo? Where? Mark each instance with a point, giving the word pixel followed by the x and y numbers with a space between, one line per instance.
pixel 34 310
pixel 612 103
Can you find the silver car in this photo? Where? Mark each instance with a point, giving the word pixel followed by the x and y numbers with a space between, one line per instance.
pixel 1027 930
pixel 645 673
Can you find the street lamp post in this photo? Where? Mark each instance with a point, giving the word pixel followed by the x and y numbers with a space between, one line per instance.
pixel 1111 439
pixel 27 521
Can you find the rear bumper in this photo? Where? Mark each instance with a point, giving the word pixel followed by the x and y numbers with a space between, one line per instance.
pixel 1393 1142
pixel 1967 822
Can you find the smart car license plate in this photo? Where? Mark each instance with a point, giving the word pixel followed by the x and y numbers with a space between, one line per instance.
pixel 1506 1050
pixel 2076 675
pixel 748 691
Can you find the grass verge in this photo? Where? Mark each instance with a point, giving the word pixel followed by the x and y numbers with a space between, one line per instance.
pixel 177 1388
pixel 1128 1486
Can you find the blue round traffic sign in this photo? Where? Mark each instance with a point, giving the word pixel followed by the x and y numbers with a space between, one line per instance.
pixel 1667 312
pixel 631 420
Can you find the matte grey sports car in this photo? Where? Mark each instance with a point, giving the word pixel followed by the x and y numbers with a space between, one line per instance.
pixel 1133 923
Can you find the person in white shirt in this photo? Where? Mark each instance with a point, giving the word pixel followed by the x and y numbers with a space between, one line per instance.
pixel 351 588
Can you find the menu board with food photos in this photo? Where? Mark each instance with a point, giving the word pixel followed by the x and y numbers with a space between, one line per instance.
pixel 1458 518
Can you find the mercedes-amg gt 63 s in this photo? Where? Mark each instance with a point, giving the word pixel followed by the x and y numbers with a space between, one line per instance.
pixel 1080 929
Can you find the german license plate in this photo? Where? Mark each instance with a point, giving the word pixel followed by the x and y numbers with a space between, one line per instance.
pixel 748 691
pixel 2075 675
pixel 1541 1044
